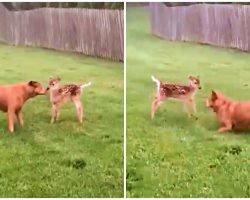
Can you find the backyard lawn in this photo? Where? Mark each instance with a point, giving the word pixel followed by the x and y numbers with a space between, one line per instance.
pixel 173 155
pixel 65 159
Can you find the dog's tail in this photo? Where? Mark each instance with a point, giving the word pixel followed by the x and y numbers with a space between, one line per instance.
pixel 85 85
pixel 158 83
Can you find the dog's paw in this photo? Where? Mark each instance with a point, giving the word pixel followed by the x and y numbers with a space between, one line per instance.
pixel 222 130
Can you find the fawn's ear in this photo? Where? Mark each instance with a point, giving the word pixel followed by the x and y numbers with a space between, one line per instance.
pixel 32 83
pixel 214 95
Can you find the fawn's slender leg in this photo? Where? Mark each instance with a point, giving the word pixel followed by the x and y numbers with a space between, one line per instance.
pixel 155 105
pixel 185 108
pixel 193 108
pixel 190 108
pixel 79 109
pixel 193 105
pixel 54 111
pixel 57 113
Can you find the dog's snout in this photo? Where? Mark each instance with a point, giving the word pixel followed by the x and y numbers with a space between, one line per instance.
pixel 199 87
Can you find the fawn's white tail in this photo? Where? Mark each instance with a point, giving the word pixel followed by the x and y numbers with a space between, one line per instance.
pixel 157 82
pixel 86 85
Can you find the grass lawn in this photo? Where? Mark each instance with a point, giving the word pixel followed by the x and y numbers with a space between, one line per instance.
pixel 65 159
pixel 173 155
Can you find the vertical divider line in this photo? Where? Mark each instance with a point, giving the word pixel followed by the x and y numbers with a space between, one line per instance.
pixel 125 92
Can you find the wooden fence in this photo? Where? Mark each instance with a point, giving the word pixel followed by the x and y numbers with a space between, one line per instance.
pixel 89 31
pixel 219 25
pixel 133 4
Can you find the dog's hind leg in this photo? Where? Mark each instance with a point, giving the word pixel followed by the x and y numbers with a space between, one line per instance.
pixel 10 116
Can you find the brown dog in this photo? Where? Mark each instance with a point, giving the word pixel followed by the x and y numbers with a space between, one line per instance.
pixel 12 98
pixel 231 114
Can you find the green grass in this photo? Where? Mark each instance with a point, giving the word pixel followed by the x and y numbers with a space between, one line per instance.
pixel 173 155
pixel 65 159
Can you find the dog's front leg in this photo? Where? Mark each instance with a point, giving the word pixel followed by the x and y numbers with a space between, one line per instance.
pixel 10 116
pixel 19 116
pixel 226 127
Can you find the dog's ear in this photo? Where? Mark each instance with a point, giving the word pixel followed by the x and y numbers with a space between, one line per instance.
pixel 32 83
pixel 51 77
pixel 214 95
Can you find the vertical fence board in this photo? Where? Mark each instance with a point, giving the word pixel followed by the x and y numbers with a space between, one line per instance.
pixel 220 25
